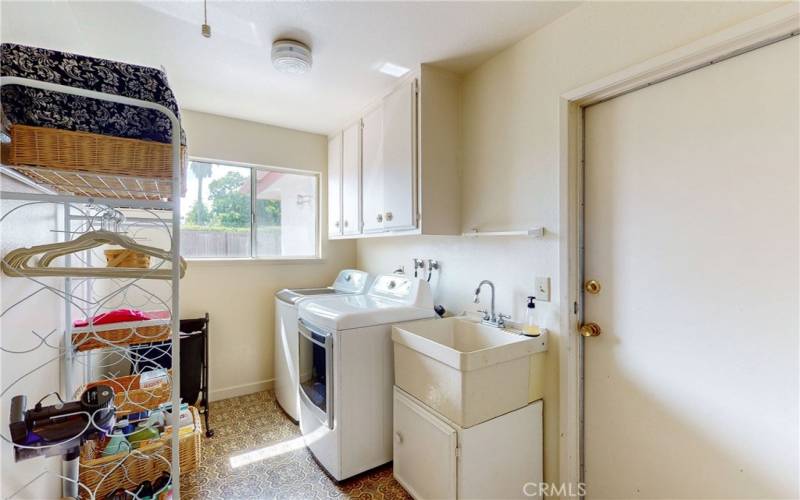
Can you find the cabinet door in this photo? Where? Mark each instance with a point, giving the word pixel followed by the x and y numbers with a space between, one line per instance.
pixel 424 450
pixel 351 180
pixel 372 171
pixel 335 186
pixel 399 158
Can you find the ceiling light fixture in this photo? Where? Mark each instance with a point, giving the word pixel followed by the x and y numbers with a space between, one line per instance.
pixel 394 70
pixel 291 56
pixel 205 30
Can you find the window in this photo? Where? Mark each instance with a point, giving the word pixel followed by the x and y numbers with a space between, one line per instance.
pixel 232 211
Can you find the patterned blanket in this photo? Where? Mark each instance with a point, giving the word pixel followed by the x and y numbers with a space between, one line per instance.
pixel 41 108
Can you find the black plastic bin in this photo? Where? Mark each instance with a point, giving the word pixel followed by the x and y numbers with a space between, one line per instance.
pixel 194 362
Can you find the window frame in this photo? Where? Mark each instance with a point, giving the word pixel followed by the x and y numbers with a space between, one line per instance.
pixel 254 168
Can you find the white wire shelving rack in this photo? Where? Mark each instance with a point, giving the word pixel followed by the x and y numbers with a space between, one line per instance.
pixel 83 199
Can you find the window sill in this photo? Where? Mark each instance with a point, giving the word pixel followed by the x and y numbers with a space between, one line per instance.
pixel 260 260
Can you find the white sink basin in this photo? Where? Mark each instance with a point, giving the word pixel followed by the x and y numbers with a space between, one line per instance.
pixel 466 371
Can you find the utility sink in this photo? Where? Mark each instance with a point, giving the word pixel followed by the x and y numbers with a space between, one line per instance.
pixel 464 370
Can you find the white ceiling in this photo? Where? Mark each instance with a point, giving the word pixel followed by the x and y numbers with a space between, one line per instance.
pixel 231 73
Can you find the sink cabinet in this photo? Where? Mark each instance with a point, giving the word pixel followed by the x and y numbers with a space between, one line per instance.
pixel 436 459
pixel 408 178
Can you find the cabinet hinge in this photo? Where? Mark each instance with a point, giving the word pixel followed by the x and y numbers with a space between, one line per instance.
pixel 458 451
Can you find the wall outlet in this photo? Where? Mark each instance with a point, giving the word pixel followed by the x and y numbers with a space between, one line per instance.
pixel 543 289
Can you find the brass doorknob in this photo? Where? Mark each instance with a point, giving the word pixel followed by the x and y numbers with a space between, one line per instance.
pixel 592 286
pixel 590 330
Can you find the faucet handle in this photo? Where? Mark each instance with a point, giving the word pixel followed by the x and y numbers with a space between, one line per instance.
pixel 501 318
pixel 486 316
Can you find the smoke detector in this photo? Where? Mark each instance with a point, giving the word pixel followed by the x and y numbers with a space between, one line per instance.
pixel 291 56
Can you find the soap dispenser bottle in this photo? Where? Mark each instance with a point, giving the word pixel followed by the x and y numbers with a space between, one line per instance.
pixel 531 325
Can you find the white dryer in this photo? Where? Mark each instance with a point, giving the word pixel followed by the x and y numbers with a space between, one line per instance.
pixel 347 371
pixel 349 281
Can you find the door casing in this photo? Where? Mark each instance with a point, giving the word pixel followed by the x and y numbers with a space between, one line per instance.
pixel 760 31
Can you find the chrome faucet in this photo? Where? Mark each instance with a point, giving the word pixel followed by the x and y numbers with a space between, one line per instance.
pixel 489 317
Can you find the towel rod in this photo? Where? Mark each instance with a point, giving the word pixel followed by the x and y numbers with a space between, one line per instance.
pixel 536 232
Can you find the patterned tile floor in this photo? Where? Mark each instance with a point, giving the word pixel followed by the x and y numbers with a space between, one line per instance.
pixel 252 433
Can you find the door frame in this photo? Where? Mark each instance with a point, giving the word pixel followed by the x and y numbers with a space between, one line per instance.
pixel 778 24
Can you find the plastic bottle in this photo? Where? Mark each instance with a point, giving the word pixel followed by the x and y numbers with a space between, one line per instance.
pixel 116 444
pixel 531 326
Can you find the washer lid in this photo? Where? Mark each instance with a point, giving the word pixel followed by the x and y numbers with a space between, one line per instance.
pixel 391 299
pixel 357 311
pixel 294 295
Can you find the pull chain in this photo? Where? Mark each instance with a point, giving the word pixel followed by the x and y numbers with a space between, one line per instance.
pixel 206 28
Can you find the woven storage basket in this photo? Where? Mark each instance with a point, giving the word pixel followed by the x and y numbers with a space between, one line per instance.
pixel 131 468
pixel 126 258
pixel 130 397
pixel 85 341
pixel 91 153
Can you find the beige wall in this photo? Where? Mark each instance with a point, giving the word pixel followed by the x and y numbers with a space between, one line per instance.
pixel 510 148
pixel 239 294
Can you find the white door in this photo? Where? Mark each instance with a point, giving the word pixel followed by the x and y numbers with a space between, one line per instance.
pixel 425 459
pixel 399 158
pixel 691 228
pixel 372 170
pixel 335 185
pixel 351 179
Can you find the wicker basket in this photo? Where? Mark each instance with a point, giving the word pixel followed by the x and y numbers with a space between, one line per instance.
pixel 127 470
pixel 126 258
pixel 131 397
pixel 90 153
pixel 85 341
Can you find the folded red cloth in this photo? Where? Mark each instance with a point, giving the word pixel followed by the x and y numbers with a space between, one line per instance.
pixel 116 316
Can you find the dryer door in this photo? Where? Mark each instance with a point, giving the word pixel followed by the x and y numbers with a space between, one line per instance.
pixel 316 370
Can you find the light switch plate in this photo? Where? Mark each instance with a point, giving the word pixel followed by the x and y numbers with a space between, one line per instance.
pixel 543 289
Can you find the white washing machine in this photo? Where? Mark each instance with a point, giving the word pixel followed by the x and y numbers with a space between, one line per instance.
pixel 349 281
pixel 347 371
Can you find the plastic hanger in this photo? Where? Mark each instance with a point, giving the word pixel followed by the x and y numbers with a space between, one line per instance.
pixel 18 262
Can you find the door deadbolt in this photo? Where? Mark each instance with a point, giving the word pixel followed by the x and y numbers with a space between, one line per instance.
pixel 592 286
pixel 590 330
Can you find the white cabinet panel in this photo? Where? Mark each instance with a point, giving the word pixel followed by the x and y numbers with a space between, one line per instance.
pixel 399 165
pixel 424 451
pixel 335 185
pixel 500 456
pixel 351 180
pixel 372 171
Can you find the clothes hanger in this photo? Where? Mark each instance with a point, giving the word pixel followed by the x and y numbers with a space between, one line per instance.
pixel 18 262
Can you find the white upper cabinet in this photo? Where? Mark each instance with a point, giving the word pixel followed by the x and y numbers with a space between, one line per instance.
pixel 335 186
pixel 401 163
pixel 372 170
pixel 351 180
pixel 399 158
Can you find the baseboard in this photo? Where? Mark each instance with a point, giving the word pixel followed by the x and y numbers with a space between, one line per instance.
pixel 240 390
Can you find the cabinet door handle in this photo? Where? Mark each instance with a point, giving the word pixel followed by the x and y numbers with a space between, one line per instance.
pixel 336 224
pixel 345 223
pixel 389 216
pixel 398 437
pixel 379 218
